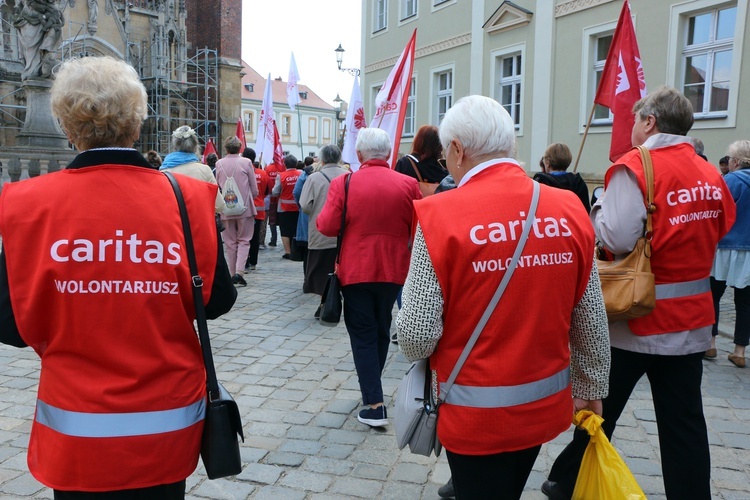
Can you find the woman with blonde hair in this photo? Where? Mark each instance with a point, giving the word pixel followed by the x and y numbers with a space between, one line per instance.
pixel 732 261
pixel 122 392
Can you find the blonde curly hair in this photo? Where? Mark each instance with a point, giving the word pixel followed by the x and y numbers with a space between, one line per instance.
pixel 100 102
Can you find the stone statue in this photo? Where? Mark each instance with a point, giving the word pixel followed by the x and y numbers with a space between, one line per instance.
pixel 39 24
pixel 93 14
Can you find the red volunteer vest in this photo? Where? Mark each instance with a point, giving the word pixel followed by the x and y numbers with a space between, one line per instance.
pixel 526 338
pixel 694 210
pixel 101 290
pixel 260 205
pixel 286 199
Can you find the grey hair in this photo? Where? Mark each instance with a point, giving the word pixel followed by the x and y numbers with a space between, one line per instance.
pixel 671 109
pixel 330 153
pixel 482 125
pixel 185 140
pixel 373 144
pixel 740 151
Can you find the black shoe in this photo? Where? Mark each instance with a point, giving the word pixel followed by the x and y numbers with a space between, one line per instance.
pixel 317 311
pixel 272 244
pixel 374 417
pixel 287 256
pixel 238 280
pixel 554 491
pixel 446 490
pixel 394 340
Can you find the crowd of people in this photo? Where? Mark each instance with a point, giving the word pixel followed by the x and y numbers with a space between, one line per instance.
pixel 435 233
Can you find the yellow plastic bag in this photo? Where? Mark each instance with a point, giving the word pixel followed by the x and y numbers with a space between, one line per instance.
pixel 603 474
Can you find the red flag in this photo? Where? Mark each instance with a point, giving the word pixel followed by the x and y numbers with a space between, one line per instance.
pixel 210 148
pixel 241 135
pixel 278 151
pixel 622 83
pixel 391 101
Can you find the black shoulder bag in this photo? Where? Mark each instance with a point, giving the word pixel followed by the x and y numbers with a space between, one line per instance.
pixel 330 312
pixel 220 449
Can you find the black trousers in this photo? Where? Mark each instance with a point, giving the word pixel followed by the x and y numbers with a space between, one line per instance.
pixel 741 307
pixel 501 476
pixel 367 315
pixel 173 491
pixel 252 256
pixel 683 437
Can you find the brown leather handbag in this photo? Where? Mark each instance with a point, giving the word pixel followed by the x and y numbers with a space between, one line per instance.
pixel 628 283
pixel 426 188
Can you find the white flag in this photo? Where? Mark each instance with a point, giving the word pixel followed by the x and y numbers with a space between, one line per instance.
pixel 264 143
pixel 390 103
pixel 292 92
pixel 355 121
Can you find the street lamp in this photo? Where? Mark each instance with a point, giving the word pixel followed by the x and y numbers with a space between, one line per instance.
pixel 340 58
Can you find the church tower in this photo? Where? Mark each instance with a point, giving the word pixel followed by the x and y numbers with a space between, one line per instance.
pixel 217 25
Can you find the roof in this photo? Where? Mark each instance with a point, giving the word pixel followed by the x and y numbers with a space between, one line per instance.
pixel 254 80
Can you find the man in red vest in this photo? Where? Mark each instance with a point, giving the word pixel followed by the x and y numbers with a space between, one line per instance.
pixel 273 169
pixel 694 210
pixel 287 209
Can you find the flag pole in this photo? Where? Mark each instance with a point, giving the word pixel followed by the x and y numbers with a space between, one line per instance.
pixel 585 134
pixel 299 122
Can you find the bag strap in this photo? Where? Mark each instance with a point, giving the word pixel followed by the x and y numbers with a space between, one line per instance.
pixel 324 175
pixel 340 237
pixel 495 298
pixel 648 169
pixel 212 383
pixel 414 166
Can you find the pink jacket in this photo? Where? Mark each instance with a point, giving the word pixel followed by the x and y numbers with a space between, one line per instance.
pixel 379 213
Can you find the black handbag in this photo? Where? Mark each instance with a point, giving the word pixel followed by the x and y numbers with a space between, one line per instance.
pixel 220 448
pixel 331 301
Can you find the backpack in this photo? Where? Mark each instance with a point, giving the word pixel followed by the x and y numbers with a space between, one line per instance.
pixel 233 198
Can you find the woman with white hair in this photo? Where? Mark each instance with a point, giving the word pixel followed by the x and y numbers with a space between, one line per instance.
pixel 374 257
pixel 104 296
pixel 184 160
pixel 502 407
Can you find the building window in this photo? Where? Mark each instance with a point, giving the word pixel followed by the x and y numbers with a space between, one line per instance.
pixel 327 129
pixel 249 122
pixel 707 59
pixel 312 129
pixel 443 94
pixel 601 44
pixel 286 125
pixel 510 69
pixel 408 9
pixel 375 91
pixel 411 110
pixel 380 18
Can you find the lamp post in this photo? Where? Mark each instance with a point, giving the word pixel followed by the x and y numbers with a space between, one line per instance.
pixel 340 58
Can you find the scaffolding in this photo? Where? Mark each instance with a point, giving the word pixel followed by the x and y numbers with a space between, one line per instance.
pixel 191 100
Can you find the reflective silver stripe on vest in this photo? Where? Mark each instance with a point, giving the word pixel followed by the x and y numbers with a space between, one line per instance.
pixel 102 425
pixel 504 396
pixel 288 202
pixel 683 289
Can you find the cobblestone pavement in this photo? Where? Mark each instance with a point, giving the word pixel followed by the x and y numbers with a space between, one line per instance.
pixel 295 383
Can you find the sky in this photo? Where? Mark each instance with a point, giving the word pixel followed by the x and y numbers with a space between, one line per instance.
pixel 312 29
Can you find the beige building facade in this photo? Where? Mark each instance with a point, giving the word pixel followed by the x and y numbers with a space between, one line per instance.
pixel 541 59
pixel 313 123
